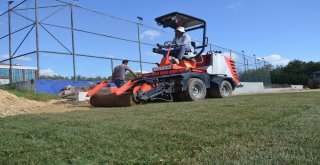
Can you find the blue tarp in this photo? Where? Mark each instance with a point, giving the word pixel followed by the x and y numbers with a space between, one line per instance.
pixel 55 86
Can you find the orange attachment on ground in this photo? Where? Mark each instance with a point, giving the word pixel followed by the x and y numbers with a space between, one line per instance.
pixel 117 91
pixel 97 88
pixel 144 87
pixel 125 87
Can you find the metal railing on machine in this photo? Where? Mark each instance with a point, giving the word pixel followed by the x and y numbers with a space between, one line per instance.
pixel 249 68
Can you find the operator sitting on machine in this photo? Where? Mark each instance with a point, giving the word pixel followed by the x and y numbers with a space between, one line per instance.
pixel 182 42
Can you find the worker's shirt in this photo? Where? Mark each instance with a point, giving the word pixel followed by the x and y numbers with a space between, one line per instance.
pixel 184 40
pixel 120 71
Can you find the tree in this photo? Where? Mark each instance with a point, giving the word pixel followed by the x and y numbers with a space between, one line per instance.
pixel 296 72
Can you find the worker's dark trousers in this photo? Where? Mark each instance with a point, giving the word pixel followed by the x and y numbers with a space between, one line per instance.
pixel 119 82
pixel 180 51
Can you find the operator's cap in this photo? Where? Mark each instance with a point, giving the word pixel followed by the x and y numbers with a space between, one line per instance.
pixel 180 29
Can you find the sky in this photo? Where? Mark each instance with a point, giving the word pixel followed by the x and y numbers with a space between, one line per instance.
pixel 277 30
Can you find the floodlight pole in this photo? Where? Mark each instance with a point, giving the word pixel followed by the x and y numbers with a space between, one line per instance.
pixel 244 61
pixel 140 19
pixel 9 28
pixel 255 61
pixel 37 39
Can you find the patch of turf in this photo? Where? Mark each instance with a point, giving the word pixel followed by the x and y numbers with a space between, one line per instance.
pixel 253 129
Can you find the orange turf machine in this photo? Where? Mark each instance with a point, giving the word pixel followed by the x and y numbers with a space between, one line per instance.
pixel 197 76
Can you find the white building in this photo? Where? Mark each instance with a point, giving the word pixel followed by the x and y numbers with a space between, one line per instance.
pixel 19 73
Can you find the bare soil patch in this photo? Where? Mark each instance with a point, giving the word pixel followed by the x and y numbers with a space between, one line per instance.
pixel 10 105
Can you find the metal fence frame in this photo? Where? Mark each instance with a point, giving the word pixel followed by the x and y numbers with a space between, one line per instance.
pixel 36 23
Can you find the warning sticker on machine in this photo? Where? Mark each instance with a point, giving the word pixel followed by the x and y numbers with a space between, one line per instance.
pixel 168 67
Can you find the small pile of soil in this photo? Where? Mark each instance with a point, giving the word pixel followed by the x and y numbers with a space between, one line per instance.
pixel 12 105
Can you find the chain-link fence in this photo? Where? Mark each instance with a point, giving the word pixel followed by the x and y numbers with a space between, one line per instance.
pixel 66 40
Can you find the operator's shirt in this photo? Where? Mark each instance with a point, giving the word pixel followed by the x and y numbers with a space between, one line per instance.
pixel 120 71
pixel 184 40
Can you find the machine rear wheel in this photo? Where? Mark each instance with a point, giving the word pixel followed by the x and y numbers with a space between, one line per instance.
pixel 196 90
pixel 225 90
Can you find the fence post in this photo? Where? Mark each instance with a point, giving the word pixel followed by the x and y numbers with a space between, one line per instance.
pixel 139 42
pixel 37 39
pixel 10 53
pixel 111 60
pixel 73 49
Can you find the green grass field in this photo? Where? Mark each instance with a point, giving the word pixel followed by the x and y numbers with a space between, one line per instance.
pixel 253 129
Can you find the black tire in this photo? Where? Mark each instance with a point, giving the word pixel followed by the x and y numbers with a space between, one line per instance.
pixel 196 90
pixel 311 84
pixel 213 91
pixel 135 99
pixel 177 95
pixel 222 91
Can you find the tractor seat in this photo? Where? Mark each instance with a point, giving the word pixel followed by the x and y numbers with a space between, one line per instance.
pixel 190 55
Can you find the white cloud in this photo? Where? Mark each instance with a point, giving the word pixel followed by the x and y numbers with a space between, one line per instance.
pixel 150 34
pixel 22 58
pixel 110 56
pixel 276 59
pixel 138 71
pixel 54 55
pixel 4 56
pixel 47 72
pixel 149 53
pixel 234 6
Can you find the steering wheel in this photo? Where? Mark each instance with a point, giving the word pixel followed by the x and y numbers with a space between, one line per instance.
pixel 168 43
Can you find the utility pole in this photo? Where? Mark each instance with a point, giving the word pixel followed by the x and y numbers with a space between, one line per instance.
pixel 140 19
pixel 9 28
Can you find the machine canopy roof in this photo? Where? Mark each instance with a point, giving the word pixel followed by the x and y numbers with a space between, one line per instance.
pixel 175 19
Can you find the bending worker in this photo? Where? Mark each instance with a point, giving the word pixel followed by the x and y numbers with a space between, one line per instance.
pixel 119 73
pixel 182 43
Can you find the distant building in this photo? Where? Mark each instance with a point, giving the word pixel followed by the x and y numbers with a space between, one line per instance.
pixel 19 73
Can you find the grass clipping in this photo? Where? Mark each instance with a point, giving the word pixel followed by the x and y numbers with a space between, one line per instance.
pixel 10 104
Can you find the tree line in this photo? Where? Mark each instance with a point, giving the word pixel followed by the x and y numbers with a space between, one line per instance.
pixel 296 72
